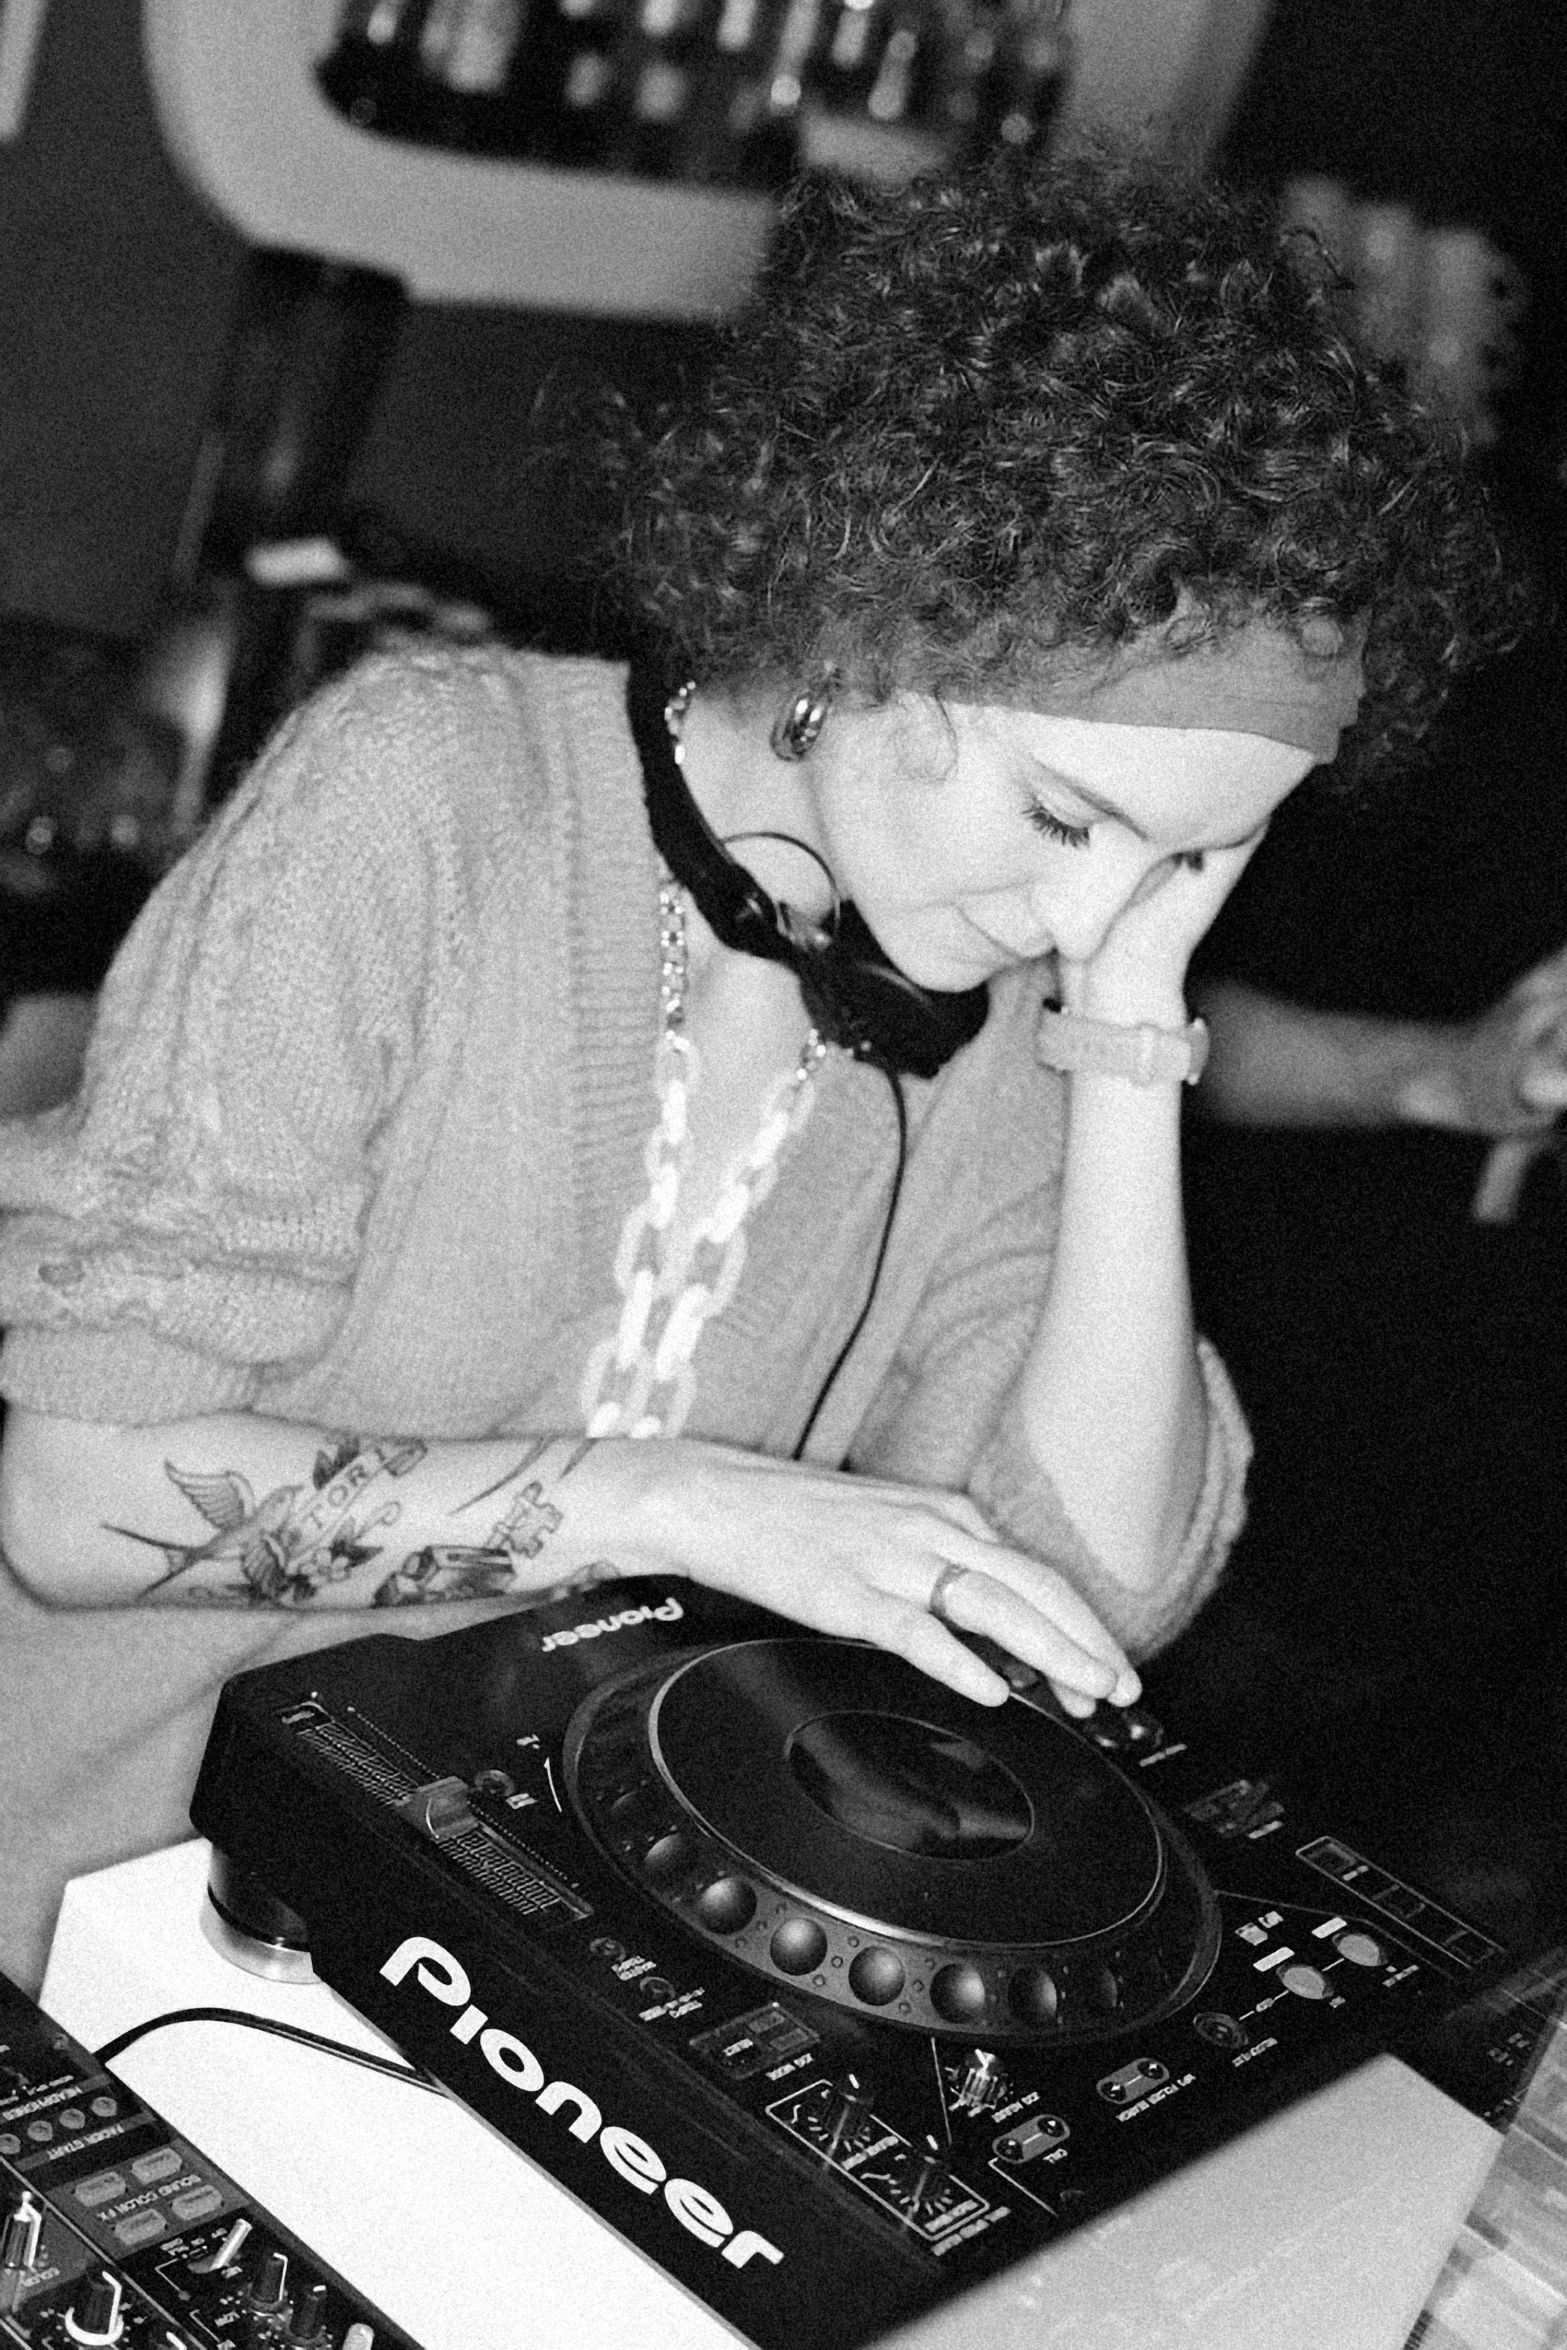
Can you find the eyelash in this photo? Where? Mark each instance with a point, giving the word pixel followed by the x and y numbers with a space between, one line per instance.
pixel 1071 836
pixel 1075 836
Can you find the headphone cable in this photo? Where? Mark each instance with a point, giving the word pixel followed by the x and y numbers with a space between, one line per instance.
pixel 860 1319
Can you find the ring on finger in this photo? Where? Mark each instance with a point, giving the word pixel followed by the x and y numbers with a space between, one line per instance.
pixel 939 1602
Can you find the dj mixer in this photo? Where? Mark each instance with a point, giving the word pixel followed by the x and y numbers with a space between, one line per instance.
pixel 834 1992
pixel 115 2229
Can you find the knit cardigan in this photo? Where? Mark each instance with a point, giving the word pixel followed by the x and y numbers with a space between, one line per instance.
pixel 365 1110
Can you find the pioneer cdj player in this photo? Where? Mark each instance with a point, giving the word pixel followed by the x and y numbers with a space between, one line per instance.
pixel 832 1991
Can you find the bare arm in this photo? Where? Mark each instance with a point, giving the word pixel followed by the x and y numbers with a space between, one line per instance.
pixel 236 1510
pixel 1275 1063
pixel 1113 1390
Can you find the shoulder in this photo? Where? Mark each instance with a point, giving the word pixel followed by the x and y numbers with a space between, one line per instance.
pixel 477 722
pixel 427 764
pixel 466 695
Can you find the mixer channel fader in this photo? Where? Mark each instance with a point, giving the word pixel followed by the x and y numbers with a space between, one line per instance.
pixel 116 2233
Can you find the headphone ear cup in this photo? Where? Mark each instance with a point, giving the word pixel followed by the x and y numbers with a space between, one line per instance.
pixel 881 1014
pixel 855 996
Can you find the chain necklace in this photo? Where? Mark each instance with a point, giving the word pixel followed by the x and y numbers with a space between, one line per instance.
pixel 639 1381
pixel 672 940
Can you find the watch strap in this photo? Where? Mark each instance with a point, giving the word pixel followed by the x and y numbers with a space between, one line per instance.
pixel 1139 1051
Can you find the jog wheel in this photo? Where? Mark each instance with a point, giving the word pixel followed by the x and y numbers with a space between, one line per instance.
pixel 841 1824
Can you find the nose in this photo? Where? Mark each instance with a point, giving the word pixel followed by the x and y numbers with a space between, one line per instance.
pixel 1080 907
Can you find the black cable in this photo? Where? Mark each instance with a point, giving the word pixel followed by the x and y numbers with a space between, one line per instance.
pixel 260 2023
pixel 863 1315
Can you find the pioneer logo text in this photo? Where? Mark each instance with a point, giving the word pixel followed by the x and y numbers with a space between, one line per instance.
pixel 630 2157
pixel 668 1611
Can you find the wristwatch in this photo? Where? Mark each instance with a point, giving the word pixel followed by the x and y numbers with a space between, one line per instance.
pixel 1137 1050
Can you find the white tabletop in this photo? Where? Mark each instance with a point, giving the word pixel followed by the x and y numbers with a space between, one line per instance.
pixel 1322 2230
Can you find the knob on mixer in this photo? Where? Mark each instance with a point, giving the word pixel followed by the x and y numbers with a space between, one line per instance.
pixel 851 2104
pixel 927 2179
pixel 19 2243
pixel 982 2083
pixel 308 2329
pixel 268 2298
pixel 97 2315
pixel 19 2249
pixel 226 2255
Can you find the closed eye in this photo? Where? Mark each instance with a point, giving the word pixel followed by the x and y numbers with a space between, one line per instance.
pixel 1071 836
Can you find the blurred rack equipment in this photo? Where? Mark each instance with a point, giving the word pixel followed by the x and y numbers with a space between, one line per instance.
pixel 728 93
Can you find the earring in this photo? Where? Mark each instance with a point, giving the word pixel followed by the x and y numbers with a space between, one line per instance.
pixel 801 722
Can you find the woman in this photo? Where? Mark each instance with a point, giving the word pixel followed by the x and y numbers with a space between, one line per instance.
pixel 1025 544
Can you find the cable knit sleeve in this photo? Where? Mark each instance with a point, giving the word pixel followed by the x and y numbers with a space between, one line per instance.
pixel 194 1218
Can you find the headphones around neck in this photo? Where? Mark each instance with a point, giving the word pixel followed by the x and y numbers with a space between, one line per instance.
pixel 856 998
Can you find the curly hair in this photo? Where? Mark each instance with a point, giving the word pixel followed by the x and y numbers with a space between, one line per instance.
pixel 972 422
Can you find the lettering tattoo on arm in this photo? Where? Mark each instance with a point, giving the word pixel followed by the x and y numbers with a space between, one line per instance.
pixel 298 1544
pixel 293 1544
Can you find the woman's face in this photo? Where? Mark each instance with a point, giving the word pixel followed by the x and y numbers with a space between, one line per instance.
pixel 978 835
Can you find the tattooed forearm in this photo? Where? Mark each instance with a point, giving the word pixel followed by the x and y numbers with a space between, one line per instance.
pixel 529 1519
pixel 307 1542
pixel 487 1570
pixel 575 1454
pixel 526 1525
pixel 297 1540
pixel 538 1445
pixel 454 1573
pixel 448 1571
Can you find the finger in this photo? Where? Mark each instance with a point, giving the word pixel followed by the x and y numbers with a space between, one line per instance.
pixel 906 1628
pixel 1066 1611
pixel 1029 1589
pixel 1072 1701
pixel 1043 1591
pixel 977 1602
pixel 917 1636
pixel 1543 1088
